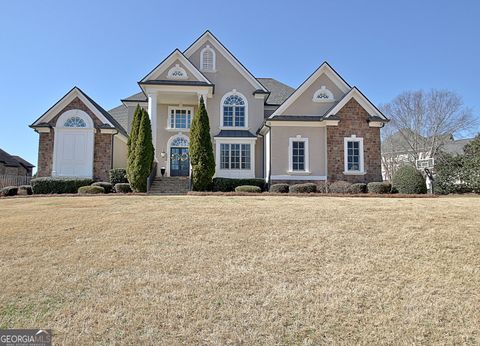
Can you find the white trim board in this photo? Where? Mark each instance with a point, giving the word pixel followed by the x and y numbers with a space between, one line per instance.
pixel 361 99
pixel 298 177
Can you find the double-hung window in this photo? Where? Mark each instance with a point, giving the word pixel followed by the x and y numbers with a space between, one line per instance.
pixel 298 155
pixel 180 118
pixel 353 155
pixel 235 156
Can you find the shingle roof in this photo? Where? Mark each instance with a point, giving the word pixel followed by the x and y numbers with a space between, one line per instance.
pixel 235 133
pixel 23 162
pixel 120 114
pixel 138 97
pixel 456 146
pixel 279 91
pixel 13 160
pixel 298 118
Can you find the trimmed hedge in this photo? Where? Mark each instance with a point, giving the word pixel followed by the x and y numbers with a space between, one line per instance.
pixel 229 185
pixel 123 188
pixel 24 190
pixel 409 180
pixel 339 186
pixel 8 191
pixel 379 187
pixel 323 187
pixel 50 185
pixel 303 188
pixel 118 176
pixel 279 188
pixel 357 188
pixel 248 188
pixel 106 186
pixel 91 190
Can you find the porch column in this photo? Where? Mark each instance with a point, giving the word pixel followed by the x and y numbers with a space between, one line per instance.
pixel 152 111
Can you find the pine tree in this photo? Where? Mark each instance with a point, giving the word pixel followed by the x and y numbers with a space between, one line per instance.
pixel 201 150
pixel 132 140
pixel 143 155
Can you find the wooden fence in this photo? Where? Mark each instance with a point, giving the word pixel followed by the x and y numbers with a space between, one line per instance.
pixel 14 180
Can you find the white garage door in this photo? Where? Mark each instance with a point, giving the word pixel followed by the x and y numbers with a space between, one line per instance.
pixel 74 138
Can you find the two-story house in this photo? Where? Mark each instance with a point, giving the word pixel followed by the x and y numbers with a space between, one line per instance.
pixel 323 130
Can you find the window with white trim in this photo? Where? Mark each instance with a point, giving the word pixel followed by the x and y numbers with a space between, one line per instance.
pixel 179 117
pixel 207 59
pixel 235 156
pixel 75 122
pixel 234 112
pixel 298 155
pixel 323 95
pixel 177 72
pixel 353 155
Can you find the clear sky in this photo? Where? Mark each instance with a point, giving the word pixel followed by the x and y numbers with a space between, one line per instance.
pixel 106 47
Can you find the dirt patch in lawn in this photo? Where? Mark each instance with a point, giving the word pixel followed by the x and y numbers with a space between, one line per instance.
pixel 253 270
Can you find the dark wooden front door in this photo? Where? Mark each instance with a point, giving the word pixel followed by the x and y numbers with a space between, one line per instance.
pixel 179 162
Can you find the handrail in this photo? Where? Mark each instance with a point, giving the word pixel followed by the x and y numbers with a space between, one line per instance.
pixel 152 176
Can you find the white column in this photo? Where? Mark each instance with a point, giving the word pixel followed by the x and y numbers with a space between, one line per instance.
pixel 152 111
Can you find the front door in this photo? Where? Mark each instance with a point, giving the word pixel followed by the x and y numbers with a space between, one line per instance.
pixel 179 162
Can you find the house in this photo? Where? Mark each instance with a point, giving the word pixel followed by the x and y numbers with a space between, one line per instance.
pixel 12 165
pixel 260 127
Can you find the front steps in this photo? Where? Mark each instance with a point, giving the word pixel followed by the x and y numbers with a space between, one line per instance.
pixel 169 186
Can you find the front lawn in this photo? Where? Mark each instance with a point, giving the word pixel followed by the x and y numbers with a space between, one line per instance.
pixel 252 270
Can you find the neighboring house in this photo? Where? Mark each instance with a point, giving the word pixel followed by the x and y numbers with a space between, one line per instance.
pixel 13 165
pixel 260 127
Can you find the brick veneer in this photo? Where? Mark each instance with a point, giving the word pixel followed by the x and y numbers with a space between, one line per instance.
pixel 102 157
pixel 353 121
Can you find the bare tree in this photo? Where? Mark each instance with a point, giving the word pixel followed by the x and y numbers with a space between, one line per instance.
pixel 423 121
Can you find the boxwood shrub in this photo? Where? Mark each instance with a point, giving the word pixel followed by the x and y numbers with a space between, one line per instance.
pixel 323 187
pixel 106 186
pixel 303 188
pixel 24 190
pixel 279 188
pixel 339 186
pixel 8 191
pixel 357 188
pixel 55 185
pixel 118 176
pixel 409 180
pixel 380 187
pixel 248 188
pixel 90 190
pixel 229 185
pixel 123 188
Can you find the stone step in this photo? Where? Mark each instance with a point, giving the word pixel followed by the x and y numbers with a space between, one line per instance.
pixel 169 186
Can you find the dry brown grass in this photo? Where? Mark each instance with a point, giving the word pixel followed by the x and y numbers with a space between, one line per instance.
pixel 252 270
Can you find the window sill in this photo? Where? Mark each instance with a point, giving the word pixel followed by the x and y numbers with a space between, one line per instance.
pixel 176 130
pixel 299 172
pixel 354 173
pixel 234 128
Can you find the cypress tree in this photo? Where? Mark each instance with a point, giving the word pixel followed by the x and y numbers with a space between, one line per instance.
pixel 132 140
pixel 201 150
pixel 143 155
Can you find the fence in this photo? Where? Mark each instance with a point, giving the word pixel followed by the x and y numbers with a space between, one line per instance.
pixel 14 180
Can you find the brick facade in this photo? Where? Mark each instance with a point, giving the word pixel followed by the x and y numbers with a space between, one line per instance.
pixel 103 145
pixel 354 121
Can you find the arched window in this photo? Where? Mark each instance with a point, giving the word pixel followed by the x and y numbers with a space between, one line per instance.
pixel 234 110
pixel 179 141
pixel 177 72
pixel 323 95
pixel 207 59
pixel 75 122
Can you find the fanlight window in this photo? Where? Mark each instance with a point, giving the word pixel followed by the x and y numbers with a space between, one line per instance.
pixel 207 57
pixel 179 142
pixel 234 111
pixel 177 72
pixel 323 95
pixel 75 122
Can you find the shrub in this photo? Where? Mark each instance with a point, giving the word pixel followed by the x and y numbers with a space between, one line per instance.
pixel 379 187
pixel 339 186
pixel 303 188
pixel 55 185
pixel 106 186
pixel 123 188
pixel 409 180
pixel 279 188
pixel 9 191
pixel 90 190
pixel 323 187
pixel 229 185
pixel 118 175
pixel 357 188
pixel 24 190
pixel 248 188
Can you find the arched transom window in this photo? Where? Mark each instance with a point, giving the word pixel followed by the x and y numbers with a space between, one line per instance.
pixel 177 72
pixel 323 95
pixel 234 112
pixel 180 141
pixel 207 59
pixel 75 122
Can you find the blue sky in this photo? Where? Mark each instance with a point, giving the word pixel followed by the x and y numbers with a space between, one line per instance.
pixel 105 47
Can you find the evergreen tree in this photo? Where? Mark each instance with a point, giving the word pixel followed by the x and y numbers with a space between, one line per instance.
pixel 143 155
pixel 132 140
pixel 201 150
pixel 471 161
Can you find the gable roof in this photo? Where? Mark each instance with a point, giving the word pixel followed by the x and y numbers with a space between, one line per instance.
pixel 324 68
pixel 101 113
pixel 207 35
pixel 23 162
pixel 138 97
pixel 168 61
pixel 372 110
pixel 13 160
pixel 279 91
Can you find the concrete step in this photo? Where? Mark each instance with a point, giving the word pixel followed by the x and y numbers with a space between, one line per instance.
pixel 170 186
